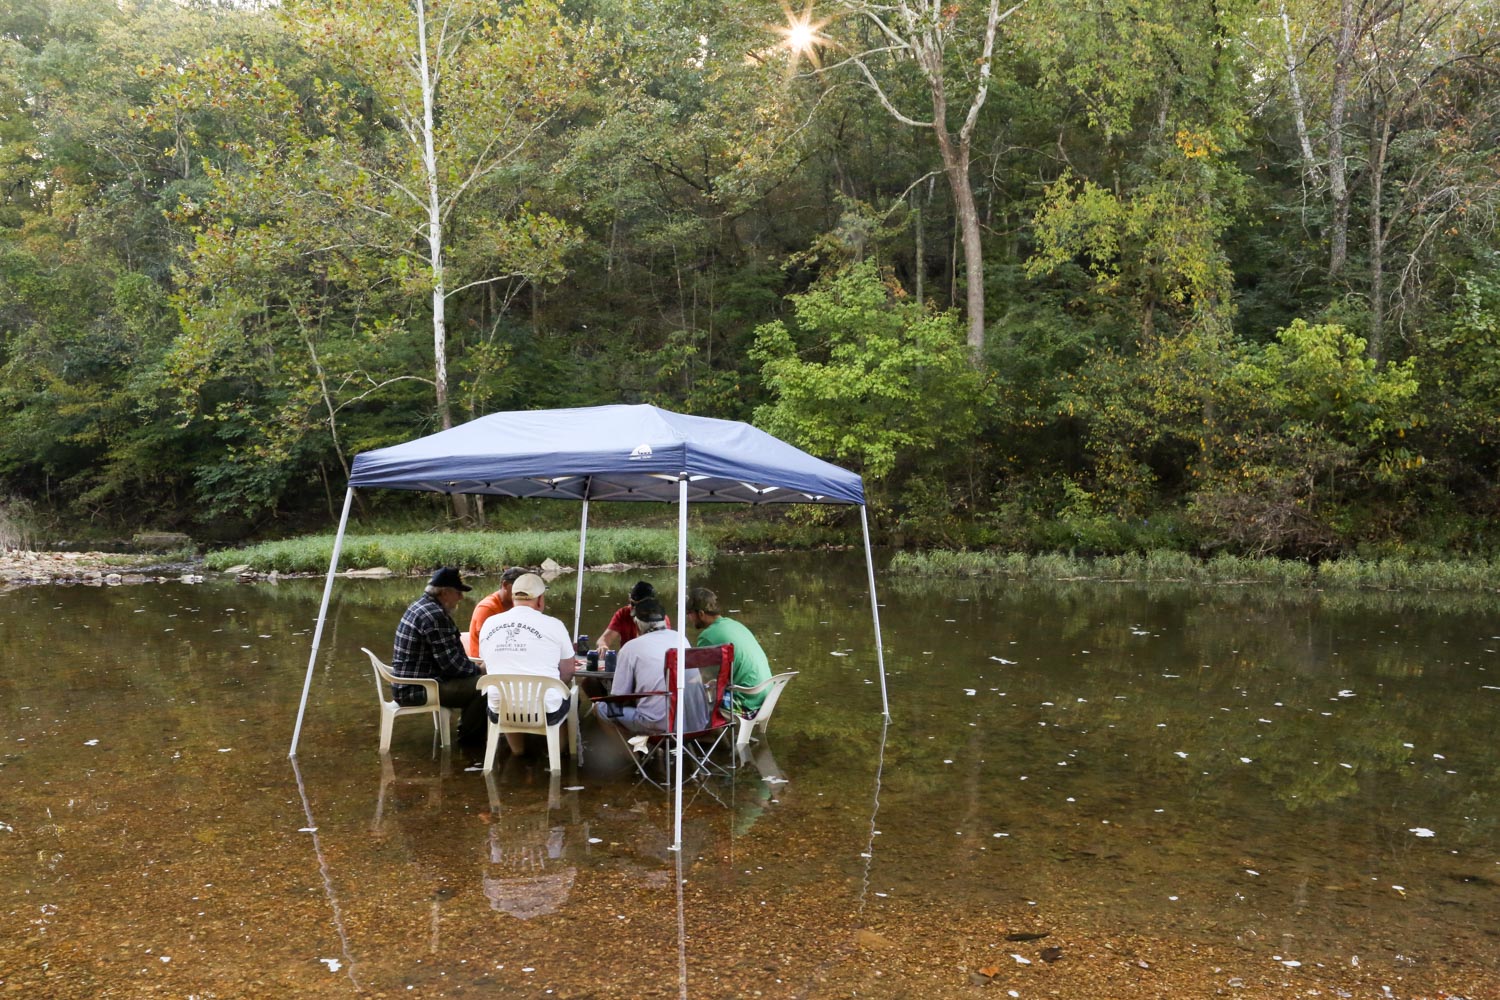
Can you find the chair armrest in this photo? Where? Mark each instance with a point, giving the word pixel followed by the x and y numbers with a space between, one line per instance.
pixel 624 698
pixel 768 682
pixel 427 684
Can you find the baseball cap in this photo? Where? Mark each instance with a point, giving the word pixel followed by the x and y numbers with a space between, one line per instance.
pixel 528 586
pixel 649 609
pixel 447 576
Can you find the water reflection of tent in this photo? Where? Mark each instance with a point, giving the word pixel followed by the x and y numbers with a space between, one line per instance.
pixel 631 453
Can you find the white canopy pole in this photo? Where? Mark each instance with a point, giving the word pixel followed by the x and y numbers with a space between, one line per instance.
pixel 583 534
pixel 885 705
pixel 333 565
pixel 682 500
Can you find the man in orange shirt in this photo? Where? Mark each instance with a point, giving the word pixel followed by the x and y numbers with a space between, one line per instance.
pixel 496 603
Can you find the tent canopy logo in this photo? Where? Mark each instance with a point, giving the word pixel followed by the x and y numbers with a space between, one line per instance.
pixel 641 453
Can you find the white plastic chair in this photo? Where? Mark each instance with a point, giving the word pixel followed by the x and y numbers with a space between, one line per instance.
pixel 523 709
pixel 391 710
pixel 762 717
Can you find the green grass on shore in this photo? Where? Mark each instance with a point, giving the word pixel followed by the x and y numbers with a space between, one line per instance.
pixel 480 552
pixel 1164 565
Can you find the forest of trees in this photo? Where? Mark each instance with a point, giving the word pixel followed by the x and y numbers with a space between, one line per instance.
pixel 1084 274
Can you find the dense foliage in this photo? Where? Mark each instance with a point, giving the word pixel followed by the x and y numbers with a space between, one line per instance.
pixel 1237 284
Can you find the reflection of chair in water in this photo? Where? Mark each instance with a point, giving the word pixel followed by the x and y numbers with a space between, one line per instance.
pixel 761 717
pixel 433 784
pixel 752 798
pixel 527 874
pixel 523 709
pixel 392 710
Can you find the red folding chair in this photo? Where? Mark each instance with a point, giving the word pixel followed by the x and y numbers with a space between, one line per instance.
pixel 715 666
pixel 698 746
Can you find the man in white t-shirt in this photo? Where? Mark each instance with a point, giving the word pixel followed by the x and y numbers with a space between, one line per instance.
pixel 523 640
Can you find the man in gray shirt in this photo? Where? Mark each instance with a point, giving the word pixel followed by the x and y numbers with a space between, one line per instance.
pixel 642 667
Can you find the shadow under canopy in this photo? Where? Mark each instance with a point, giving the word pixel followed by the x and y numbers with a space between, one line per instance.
pixel 621 453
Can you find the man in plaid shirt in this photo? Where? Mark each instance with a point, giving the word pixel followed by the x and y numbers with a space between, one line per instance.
pixel 427 645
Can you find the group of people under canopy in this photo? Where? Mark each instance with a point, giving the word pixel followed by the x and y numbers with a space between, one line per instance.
pixel 510 632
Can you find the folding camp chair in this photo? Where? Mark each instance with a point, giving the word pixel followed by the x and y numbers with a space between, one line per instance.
pixel 700 744
pixel 715 667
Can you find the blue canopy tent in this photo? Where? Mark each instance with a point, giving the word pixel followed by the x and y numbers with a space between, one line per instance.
pixel 630 453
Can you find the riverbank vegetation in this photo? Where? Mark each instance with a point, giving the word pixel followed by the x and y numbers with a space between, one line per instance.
pixel 1170 566
pixel 473 551
pixel 1204 279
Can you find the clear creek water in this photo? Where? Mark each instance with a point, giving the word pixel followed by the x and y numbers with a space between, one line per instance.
pixel 1189 791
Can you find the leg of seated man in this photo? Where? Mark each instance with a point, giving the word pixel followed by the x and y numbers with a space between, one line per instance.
pixel 622 719
pixel 461 693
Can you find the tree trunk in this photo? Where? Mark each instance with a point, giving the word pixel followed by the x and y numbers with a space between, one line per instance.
pixel 1299 108
pixel 1338 185
pixel 916 212
pixel 922 30
pixel 956 166
pixel 1378 233
pixel 968 215
pixel 435 244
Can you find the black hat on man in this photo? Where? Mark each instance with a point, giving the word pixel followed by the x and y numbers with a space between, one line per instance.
pixel 641 591
pixel 447 576
pixel 649 609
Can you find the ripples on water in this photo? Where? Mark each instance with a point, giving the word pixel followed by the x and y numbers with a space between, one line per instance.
pixel 1253 772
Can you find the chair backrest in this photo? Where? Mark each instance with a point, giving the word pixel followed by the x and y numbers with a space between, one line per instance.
pixel 714 662
pixel 522 696
pixel 383 676
pixel 778 683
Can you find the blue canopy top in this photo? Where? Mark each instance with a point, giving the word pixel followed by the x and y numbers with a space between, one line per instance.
pixel 608 453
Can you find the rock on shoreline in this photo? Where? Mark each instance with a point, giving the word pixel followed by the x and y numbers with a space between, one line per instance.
pixel 19 567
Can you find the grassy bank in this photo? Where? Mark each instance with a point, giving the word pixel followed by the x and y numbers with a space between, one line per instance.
pixel 1165 565
pixel 474 551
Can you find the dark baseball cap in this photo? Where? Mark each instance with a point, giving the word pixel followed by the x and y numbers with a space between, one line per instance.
pixel 447 576
pixel 649 609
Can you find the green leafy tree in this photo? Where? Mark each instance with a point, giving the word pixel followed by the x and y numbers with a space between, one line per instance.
pixel 84 310
pixel 377 197
pixel 1314 427
pixel 869 378
pixel 1144 205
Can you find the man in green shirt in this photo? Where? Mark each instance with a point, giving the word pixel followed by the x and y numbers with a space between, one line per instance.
pixel 750 664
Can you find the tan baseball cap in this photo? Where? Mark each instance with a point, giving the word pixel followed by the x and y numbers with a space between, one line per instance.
pixel 528 586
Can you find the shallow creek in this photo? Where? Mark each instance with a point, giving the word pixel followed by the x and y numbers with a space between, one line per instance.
pixel 1084 789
